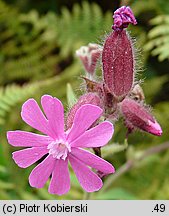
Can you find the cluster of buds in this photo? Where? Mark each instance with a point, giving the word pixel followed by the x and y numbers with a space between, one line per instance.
pixel 117 94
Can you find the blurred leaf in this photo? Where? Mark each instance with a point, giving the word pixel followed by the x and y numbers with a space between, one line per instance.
pixel 158 36
pixel 153 86
pixel 85 24
pixel 6 185
pixel 11 95
pixel 4 195
pixel 113 148
pixel 71 97
pixel 117 194
pixel 28 196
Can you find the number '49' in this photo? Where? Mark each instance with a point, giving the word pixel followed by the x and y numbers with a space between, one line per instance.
pixel 159 207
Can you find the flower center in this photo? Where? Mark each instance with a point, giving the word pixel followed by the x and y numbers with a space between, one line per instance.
pixel 59 150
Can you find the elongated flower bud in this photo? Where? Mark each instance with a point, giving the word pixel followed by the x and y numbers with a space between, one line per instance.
pixel 89 98
pixel 118 56
pixel 89 56
pixel 137 116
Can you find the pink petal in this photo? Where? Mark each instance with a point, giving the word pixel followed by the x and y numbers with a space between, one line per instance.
pixel 60 182
pixel 54 111
pixel 85 116
pixel 42 172
pixel 34 117
pixel 87 179
pixel 154 128
pixel 27 139
pixel 95 137
pixel 27 157
pixel 93 161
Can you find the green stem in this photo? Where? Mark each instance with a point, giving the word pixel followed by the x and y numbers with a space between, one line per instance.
pixel 123 169
pixel 131 163
pixel 86 196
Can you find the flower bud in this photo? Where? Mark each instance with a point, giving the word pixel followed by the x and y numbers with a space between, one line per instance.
pixel 137 116
pixel 89 98
pixel 137 93
pixel 118 55
pixel 89 56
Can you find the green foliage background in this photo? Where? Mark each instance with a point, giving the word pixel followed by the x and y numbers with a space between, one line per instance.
pixel 38 40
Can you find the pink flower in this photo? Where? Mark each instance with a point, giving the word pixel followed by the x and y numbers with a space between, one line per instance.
pixel 61 147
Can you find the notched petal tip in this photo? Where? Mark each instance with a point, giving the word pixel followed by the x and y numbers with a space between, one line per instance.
pixel 46 96
pixel 11 136
pixel 19 163
pixel 57 193
pixel 123 16
pixel 48 101
pixel 27 103
pixel 27 106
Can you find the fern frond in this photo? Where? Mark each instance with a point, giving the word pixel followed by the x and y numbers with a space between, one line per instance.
pixel 85 24
pixel 157 6
pixel 161 29
pixel 27 52
pixel 11 95
pixel 159 19
pixel 138 7
pixel 158 36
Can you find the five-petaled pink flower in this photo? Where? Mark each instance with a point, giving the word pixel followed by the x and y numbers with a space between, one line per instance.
pixel 59 147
